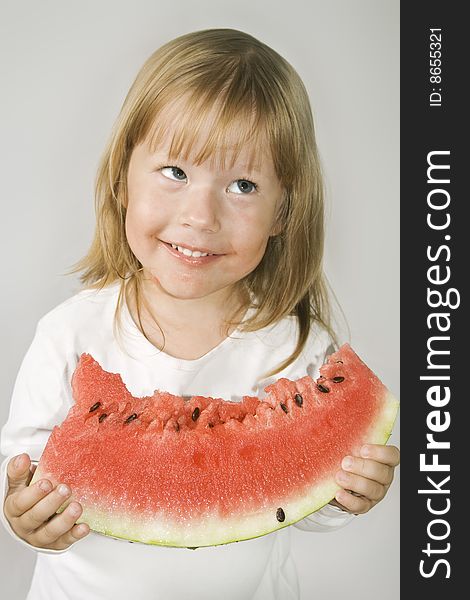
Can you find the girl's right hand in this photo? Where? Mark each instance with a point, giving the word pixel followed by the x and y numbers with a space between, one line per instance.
pixel 31 510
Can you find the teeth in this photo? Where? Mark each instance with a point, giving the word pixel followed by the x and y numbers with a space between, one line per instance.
pixel 187 252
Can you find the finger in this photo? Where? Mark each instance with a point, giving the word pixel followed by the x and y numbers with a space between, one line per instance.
pixel 73 535
pixel 18 472
pixel 369 468
pixel 368 488
pixel 60 530
pixel 45 508
pixel 388 455
pixel 336 503
pixel 353 504
pixel 23 500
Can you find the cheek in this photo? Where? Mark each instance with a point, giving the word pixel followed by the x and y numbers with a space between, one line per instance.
pixel 252 232
pixel 139 230
pixel 140 211
pixel 143 218
pixel 131 233
pixel 251 246
pixel 132 221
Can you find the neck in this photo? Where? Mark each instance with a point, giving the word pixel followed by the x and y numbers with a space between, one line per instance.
pixel 209 313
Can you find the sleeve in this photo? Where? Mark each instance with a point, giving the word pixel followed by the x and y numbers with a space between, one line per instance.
pixel 41 398
pixel 328 518
pixel 319 346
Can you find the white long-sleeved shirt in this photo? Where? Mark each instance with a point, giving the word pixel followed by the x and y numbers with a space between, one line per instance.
pixel 103 568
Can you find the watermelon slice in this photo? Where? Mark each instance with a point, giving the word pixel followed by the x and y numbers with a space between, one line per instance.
pixel 205 471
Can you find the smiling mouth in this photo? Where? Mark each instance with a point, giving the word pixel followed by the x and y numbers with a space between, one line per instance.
pixel 190 252
pixel 187 252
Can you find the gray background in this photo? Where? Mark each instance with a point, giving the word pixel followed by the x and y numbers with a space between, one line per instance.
pixel 65 69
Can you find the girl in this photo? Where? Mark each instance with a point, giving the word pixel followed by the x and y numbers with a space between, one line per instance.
pixel 204 278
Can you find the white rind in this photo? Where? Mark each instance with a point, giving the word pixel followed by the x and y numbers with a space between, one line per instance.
pixel 210 530
pixel 382 428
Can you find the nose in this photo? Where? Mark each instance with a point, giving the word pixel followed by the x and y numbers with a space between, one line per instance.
pixel 200 210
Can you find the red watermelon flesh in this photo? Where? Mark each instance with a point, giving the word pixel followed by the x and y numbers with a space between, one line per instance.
pixel 205 471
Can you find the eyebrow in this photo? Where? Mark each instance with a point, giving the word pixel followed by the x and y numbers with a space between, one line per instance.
pixel 245 167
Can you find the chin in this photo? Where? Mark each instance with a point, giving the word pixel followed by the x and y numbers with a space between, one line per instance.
pixel 183 288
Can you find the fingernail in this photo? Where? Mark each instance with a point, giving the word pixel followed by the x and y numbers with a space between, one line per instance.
pixel 45 486
pixel 347 462
pixel 82 530
pixel 74 510
pixel 365 451
pixel 339 497
pixel 63 490
pixel 17 461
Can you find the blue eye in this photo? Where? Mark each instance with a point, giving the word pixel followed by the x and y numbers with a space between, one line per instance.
pixel 239 186
pixel 244 186
pixel 174 173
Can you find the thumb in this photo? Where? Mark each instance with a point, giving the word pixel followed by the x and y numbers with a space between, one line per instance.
pixel 18 472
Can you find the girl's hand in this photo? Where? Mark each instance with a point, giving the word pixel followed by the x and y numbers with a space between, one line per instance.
pixel 365 479
pixel 31 510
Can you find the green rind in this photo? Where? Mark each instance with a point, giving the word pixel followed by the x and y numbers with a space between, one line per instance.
pixel 214 530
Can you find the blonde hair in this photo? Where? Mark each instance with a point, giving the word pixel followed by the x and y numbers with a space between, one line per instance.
pixel 259 96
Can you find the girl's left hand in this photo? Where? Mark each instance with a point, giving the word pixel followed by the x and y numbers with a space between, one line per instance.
pixel 365 479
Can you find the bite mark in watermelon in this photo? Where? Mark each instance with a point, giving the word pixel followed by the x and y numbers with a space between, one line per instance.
pixel 205 471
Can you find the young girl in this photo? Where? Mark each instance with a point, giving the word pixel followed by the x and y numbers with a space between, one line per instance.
pixel 204 278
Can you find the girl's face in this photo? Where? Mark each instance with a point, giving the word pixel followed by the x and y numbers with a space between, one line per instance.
pixel 197 229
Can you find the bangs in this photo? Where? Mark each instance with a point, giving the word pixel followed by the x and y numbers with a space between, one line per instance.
pixel 211 125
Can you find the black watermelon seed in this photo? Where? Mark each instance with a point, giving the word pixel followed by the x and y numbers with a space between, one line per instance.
pixel 196 413
pixel 95 406
pixel 284 408
pixel 131 418
pixel 102 417
pixel 280 515
pixel 338 379
pixel 177 427
pixel 298 399
pixel 340 361
pixel 323 388
pixel 210 425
